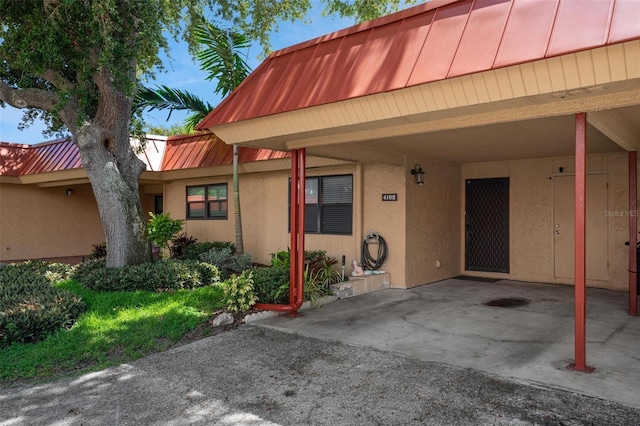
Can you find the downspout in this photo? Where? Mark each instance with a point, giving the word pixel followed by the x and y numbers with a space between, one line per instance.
pixel 296 259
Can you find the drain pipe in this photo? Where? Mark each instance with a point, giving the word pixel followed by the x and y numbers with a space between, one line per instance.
pixel 296 257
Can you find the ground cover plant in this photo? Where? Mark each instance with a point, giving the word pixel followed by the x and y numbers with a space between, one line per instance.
pixel 271 284
pixel 153 276
pixel 31 308
pixel 227 261
pixel 117 326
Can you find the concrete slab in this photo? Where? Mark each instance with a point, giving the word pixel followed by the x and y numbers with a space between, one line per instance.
pixel 449 322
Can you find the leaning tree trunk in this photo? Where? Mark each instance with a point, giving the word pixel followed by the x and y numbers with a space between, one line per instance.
pixel 114 172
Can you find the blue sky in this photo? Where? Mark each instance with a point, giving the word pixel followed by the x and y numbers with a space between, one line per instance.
pixel 183 73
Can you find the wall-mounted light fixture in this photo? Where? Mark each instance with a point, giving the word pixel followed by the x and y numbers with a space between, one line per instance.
pixel 419 174
pixel 69 191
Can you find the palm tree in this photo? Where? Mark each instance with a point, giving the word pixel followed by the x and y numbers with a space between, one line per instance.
pixel 223 61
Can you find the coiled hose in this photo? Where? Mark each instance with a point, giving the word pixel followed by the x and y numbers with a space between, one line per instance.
pixel 369 262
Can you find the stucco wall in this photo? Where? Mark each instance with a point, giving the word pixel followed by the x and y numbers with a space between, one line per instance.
pixel 618 169
pixel 531 215
pixel 432 228
pixel 45 222
pixel 204 230
pixel 387 218
pixel 264 200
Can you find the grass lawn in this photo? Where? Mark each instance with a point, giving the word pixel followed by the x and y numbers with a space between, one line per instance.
pixel 117 327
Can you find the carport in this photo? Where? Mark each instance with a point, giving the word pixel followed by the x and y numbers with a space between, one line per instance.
pixel 451 322
pixel 472 88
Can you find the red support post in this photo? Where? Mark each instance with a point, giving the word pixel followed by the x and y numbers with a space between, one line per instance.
pixel 633 232
pixel 302 175
pixel 580 289
pixel 296 285
pixel 293 217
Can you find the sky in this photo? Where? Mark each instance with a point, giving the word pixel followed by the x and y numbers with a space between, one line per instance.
pixel 183 73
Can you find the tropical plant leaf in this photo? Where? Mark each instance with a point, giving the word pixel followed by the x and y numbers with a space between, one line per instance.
pixel 164 97
pixel 222 58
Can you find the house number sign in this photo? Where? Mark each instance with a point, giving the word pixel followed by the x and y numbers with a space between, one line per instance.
pixel 389 197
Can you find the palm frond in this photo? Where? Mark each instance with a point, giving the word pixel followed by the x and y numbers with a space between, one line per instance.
pixel 164 97
pixel 222 58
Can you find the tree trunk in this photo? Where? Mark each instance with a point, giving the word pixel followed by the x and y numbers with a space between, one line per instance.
pixel 114 172
pixel 236 202
pixel 114 181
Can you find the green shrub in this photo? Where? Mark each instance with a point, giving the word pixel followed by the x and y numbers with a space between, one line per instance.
pixel 180 245
pixel 238 292
pixel 162 228
pixel 154 276
pixel 319 274
pixel 194 251
pixel 99 251
pixel 31 308
pixel 271 285
pixel 227 262
pixel 281 259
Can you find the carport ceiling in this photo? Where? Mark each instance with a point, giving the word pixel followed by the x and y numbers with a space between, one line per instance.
pixel 537 138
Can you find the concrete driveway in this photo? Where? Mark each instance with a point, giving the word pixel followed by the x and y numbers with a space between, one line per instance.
pixel 449 322
pixel 260 376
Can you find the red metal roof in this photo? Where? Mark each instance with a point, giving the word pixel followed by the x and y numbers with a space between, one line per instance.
pixel 18 159
pixel 206 150
pixel 426 43
pixel 181 152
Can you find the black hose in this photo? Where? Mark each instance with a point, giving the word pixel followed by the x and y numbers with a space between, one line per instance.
pixel 369 262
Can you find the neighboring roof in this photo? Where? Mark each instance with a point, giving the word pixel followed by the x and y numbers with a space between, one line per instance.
pixel 53 156
pixel 430 42
pixel 161 154
pixel 206 150
pixel 17 159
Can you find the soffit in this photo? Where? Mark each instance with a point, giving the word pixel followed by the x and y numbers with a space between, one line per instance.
pixel 536 138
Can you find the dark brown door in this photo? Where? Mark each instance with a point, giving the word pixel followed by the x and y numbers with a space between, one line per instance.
pixel 487 225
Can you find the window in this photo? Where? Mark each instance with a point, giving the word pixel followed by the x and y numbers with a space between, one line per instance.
pixel 158 202
pixel 329 205
pixel 207 201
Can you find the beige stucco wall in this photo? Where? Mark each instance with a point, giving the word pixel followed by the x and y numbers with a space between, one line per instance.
pixel 264 200
pixel 386 218
pixel 175 196
pixel 45 222
pixel 420 228
pixel 531 215
pixel 432 224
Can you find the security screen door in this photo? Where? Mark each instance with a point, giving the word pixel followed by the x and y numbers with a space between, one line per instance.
pixel 487 225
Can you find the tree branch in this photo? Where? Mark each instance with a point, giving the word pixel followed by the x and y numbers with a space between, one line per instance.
pixel 57 80
pixel 28 98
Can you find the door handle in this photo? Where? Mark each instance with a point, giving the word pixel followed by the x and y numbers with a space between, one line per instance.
pixel 557 232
